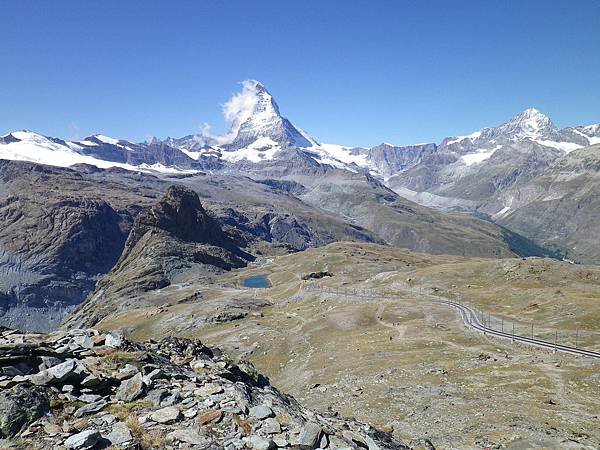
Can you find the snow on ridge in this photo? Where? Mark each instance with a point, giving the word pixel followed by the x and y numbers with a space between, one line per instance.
pixel 341 156
pixel 35 148
pixel 566 147
pixel 471 137
pixel 106 139
pixel 592 129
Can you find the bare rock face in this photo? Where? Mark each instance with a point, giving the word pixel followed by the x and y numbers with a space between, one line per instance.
pixel 173 237
pixel 180 213
pixel 59 232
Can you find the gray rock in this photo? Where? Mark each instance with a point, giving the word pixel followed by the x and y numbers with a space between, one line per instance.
pixel 108 419
pixel 42 378
pixel 49 361
pixel 169 414
pixel 84 341
pixel 280 441
pixel 20 406
pixel 91 381
pixel 156 396
pixel 209 389
pixel 324 441
pixel 55 374
pixel 271 426
pixel 119 435
pixel 261 412
pixel 11 371
pixel 85 439
pixel 90 408
pixel 189 436
pixel 113 340
pixel 154 375
pixel 131 388
pixel 310 436
pixel 126 372
pixel 89 398
pixel 261 443
pixel 172 399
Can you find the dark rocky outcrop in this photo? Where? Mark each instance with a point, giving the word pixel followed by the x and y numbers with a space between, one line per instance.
pixel 173 238
pixel 316 275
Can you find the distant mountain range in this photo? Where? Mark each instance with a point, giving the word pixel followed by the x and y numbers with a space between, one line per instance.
pixel 260 133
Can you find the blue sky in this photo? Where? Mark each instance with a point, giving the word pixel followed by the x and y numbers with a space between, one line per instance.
pixel 348 72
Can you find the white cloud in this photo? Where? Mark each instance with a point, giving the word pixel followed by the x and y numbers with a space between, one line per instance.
pixel 236 111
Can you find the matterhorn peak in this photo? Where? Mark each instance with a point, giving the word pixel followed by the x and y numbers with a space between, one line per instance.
pixel 254 114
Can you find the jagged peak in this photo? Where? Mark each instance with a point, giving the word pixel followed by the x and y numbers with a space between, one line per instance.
pixel 532 120
pixel 180 213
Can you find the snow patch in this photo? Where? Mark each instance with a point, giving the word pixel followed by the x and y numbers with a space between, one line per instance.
pixel 505 210
pixel 566 147
pixel 262 149
pixel 479 155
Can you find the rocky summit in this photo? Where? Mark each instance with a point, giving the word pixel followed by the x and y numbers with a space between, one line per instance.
pixel 174 237
pixel 84 389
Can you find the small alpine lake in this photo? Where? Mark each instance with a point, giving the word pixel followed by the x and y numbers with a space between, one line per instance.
pixel 257 281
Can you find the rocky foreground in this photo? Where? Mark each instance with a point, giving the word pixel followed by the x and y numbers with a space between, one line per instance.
pixel 82 389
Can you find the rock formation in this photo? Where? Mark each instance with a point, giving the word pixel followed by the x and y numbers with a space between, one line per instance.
pixel 83 389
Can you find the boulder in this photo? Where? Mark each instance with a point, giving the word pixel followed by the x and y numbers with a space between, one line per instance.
pixel 20 406
pixel 261 443
pixel 119 435
pixel 131 388
pixel 169 414
pixel 90 408
pixel 209 389
pixel 271 426
pixel 84 440
pixel 91 381
pixel 261 412
pixel 209 416
pixel 126 372
pixel 188 436
pixel 113 340
pixel 55 374
pixel 310 436
pixel 83 341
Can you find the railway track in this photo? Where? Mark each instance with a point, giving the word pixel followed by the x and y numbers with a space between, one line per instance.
pixel 471 319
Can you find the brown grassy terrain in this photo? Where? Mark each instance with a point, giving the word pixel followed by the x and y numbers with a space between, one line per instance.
pixel 405 362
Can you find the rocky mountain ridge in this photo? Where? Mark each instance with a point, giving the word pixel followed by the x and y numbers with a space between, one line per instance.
pixel 172 238
pixel 88 390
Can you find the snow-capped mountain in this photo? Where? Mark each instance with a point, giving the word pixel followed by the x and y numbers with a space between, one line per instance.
pixel 529 125
pixel 97 150
pixel 467 170
pixel 265 124
pixel 258 130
